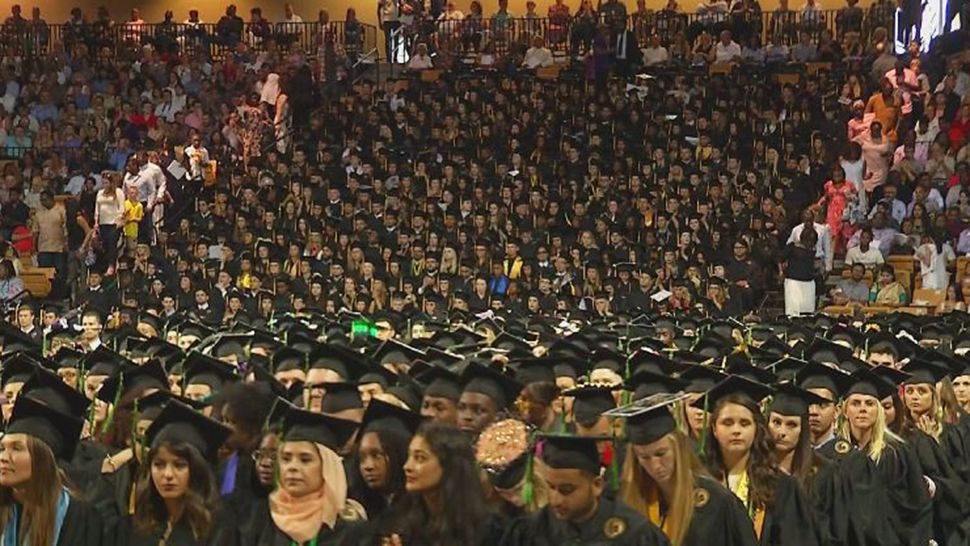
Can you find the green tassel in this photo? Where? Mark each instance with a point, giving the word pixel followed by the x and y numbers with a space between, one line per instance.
pixel 702 445
pixel 528 488
pixel 614 467
pixel 109 421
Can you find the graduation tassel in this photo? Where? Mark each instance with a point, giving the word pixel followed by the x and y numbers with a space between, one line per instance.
pixel 702 445
pixel 109 421
pixel 528 488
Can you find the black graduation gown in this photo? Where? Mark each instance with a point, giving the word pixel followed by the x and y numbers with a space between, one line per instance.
pixel 85 466
pixel 884 503
pixel 790 521
pixel 262 531
pixel 614 524
pixel 223 533
pixel 951 509
pixel 111 495
pixel 719 517
pixel 240 501
pixel 82 526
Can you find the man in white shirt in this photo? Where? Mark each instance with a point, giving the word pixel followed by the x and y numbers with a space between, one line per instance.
pixel 289 16
pixel 823 248
pixel 726 50
pixel 655 53
pixel 538 55
pixel 156 202
pixel 864 254
pixel 198 158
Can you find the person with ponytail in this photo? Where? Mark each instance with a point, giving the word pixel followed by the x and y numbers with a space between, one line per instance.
pixel 740 456
pixel 880 491
pixel 176 499
pixel 665 481
pixel 309 506
pixel 37 506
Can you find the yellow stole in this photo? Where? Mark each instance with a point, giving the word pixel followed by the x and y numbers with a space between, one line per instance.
pixel 741 491
pixel 653 511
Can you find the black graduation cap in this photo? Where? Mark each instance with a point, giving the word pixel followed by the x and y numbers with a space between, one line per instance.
pixel 652 421
pixel 461 336
pixel 205 370
pixel 701 378
pixel 379 374
pixel 381 415
pixel 482 379
pixel 395 352
pixel 569 367
pixel 534 370
pixel 644 360
pixel 262 375
pixel 590 401
pixel 104 361
pixel 18 369
pixel 569 348
pixel 711 346
pixel 150 376
pixel 348 364
pixel 746 370
pixel 786 368
pixel 440 382
pixel 286 359
pixel 846 335
pixel 306 426
pixel 194 329
pixel 924 372
pixel 734 384
pixel 603 358
pixel 178 422
pixel 340 397
pixel 265 341
pixel 151 320
pixel 59 431
pixel 791 401
pixel 891 375
pixel 824 351
pixel 47 387
pixel 814 375
pixel 645 383
pixel 150 406
pixel 274 420
pixel 883 342
pixel 571 452
pixel 408 391
pixel 868 383
pixel 229 345
pixel 510 342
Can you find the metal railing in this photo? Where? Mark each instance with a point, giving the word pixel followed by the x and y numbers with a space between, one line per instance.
pixel 573 34
pixel 213 40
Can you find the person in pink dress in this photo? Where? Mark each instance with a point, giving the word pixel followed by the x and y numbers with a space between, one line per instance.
pixel 838 196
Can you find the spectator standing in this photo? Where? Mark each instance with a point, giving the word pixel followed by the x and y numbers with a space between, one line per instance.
pixel 799 271
pixel 108 217
pixel 50 228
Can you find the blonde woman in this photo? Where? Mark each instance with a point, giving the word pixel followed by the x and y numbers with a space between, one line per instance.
pixel 449 261
pixel 880 488
pixel 665 481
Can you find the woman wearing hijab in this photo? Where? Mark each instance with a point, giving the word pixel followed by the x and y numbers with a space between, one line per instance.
pixel 880 495
pixel 440 470
pixel 739 455
pixel 310 504
pixel 175 499
pixel 665 481
pixel 36 506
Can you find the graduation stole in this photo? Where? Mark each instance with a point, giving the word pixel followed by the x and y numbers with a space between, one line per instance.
pixel 742 491
pixel 653 511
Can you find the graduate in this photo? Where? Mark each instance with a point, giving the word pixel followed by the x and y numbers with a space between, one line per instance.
pixel 385 434
pixel 880 491
pixel 443 503
pixel 486 394
pixel 579 512
pixel 828 383
pixel 36 505
pixel 177 501
pixel 503 451
pixel 310 504
pixel 739 454
pixel 665 481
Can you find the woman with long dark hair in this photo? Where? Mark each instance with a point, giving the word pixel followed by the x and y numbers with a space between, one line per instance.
pixel 740 455
pixel 440 469
pixel 385 434
pixel 664 481
pixel 37 508
pixel 176 498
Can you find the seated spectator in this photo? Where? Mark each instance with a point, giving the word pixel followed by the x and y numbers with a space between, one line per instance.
pixel 655 53
pixel 805 51
pixel 854 290
pixel 887 290
pixel 726 50
pixel 420 60
pixel 538 55
pixel 865 253
pixel 753 53
pixel 11 285
pixel 776 52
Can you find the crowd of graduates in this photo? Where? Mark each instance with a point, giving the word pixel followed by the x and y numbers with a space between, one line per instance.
pixel 644 429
